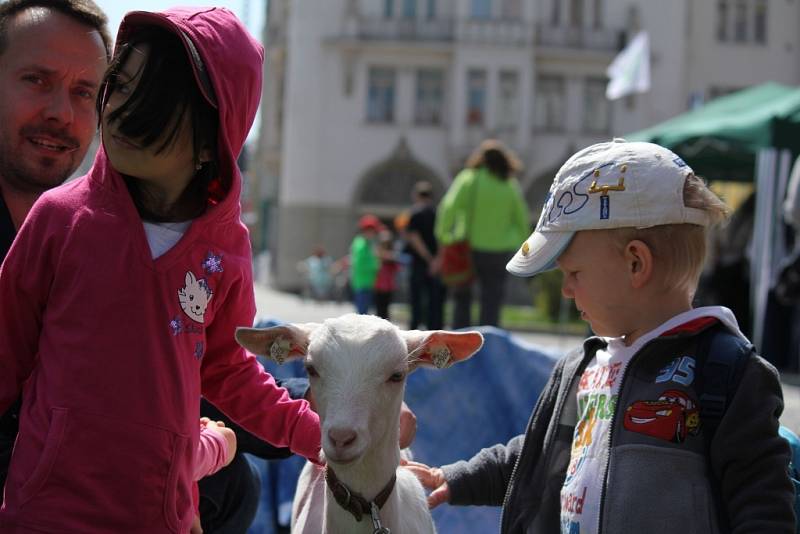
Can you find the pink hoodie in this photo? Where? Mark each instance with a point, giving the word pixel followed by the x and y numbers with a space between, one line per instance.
pixel 112 349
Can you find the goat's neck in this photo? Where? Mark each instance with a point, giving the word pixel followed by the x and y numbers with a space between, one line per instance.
pixel 369 474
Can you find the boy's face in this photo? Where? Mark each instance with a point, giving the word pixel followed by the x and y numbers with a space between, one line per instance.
pixel 596 278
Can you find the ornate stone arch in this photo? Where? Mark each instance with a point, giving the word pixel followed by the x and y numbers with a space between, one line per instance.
pixel 385 188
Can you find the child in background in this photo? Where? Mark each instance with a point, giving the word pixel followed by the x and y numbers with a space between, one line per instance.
pixel 622 438
pixel 120 297
pixel 385 283
pixel 364 263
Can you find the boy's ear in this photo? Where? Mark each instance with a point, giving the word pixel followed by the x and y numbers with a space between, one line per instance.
pixel 639 260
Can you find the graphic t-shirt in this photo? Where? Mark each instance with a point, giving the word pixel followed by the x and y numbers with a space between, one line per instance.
pixel 598 390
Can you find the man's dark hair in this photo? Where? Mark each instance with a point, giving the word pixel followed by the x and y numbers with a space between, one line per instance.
pixel 83 11
pixel 153 114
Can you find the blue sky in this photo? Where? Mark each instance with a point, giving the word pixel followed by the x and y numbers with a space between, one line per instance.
pixel 254 13
pixel 251 12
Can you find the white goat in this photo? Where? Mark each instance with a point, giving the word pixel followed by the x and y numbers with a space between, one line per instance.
pixel 357 365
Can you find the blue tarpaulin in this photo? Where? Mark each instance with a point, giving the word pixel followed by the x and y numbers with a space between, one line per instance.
pixel 460 410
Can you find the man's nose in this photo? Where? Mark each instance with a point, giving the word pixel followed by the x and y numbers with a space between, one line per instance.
pixel 59 107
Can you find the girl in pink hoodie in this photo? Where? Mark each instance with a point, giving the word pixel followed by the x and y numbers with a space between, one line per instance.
pixel 120 297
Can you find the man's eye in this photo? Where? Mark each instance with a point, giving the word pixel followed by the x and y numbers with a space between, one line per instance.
pixel 34 79
pixel 85 94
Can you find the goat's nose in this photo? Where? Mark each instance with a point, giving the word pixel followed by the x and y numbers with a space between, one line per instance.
pixel 342 437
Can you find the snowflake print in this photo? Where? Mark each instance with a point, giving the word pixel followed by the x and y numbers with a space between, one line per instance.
pixel 176 325
pixel 212 264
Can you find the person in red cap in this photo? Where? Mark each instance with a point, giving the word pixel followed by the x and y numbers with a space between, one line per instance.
pixel 120 297
pixel 364 262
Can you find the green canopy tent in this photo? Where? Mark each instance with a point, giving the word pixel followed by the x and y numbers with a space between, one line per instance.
pixel 720 140
pixel 751 135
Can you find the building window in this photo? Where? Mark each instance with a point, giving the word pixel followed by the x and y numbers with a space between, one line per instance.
pixel 597 108
pixel 476 97
pixel 481 9
pixel 760 26
pixel 431 13
pixel 380 94
pixel 388 8
pixel 508 101
pixel 409 9
pixel 598 14
pixel 430 96
pixel 511 9
pixel 722 20
pixel 740 22
pixel 549 104
pixel 576 13
pixel 555 13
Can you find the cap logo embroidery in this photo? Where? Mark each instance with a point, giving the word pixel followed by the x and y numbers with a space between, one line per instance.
pixel 526 248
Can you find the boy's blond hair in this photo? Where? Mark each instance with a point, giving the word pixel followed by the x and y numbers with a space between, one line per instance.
pixel 679 250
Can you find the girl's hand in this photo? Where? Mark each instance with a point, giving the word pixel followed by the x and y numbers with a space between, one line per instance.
pixel 229 435
pixel 431 478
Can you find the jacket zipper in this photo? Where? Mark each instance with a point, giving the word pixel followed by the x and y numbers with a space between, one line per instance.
pixel 611 431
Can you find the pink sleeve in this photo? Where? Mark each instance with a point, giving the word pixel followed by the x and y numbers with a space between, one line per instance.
pixel 25 280
pixel 212 450
pixel 237 384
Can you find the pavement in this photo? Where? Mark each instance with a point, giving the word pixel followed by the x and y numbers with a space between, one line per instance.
pixel 291 308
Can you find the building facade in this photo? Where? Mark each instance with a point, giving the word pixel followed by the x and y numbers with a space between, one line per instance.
pixel 362 98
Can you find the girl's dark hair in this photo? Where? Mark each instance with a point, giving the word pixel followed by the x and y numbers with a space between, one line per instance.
pixel 495 157
pixel 165 93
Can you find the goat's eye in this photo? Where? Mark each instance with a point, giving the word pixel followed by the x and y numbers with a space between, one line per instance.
pixel 397 377
pixel 311 371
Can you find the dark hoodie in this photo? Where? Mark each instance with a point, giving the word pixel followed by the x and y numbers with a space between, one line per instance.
pixel 112 349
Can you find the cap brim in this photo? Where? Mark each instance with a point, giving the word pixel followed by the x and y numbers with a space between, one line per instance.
pixel 132 19
pixel 543 249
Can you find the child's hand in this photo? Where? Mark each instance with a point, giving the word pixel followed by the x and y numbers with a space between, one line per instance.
pixel 431 478
pixel 220 428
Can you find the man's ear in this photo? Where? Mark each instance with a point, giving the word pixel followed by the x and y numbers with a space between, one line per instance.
pixel 639 261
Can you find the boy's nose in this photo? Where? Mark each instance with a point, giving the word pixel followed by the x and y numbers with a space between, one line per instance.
pixel 566 290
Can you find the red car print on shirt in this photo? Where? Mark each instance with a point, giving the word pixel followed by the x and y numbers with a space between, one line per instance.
pixel 672 417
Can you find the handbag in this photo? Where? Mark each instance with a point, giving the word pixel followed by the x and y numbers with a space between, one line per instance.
pixel 457 269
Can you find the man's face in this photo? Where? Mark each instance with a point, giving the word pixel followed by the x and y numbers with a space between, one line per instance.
pixel 50 73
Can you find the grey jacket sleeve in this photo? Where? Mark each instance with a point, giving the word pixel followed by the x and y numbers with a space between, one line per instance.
pixel 750 459
pixel 483 479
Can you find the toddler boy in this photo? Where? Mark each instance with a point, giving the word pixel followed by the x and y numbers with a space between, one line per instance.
pixel 667 421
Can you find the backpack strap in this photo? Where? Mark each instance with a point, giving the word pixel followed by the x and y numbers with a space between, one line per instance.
pixel 725 355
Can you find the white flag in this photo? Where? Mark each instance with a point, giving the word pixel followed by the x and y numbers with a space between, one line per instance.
pixel 630 70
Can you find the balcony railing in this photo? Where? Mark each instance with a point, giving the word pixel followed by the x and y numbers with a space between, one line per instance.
pixel 581 38
pixel 384 29
pixel 495 32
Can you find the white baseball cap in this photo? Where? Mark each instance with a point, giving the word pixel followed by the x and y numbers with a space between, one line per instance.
pixel 608 185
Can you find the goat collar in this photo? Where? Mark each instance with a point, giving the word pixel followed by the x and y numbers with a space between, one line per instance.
pixel 353 502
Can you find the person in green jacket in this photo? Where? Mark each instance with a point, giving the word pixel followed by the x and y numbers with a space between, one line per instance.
pixel 484 205
pixel 364 262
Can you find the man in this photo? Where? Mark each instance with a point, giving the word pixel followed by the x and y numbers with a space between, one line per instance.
pixel 424 284
pixel 53 54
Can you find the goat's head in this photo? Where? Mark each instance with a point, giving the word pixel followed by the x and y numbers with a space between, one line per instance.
pixel 357 366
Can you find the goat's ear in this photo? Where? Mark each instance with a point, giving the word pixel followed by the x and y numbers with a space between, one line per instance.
pixel 278 343
pixel 439 348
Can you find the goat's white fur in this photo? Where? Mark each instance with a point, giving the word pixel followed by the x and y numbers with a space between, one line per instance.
pixel 356 361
